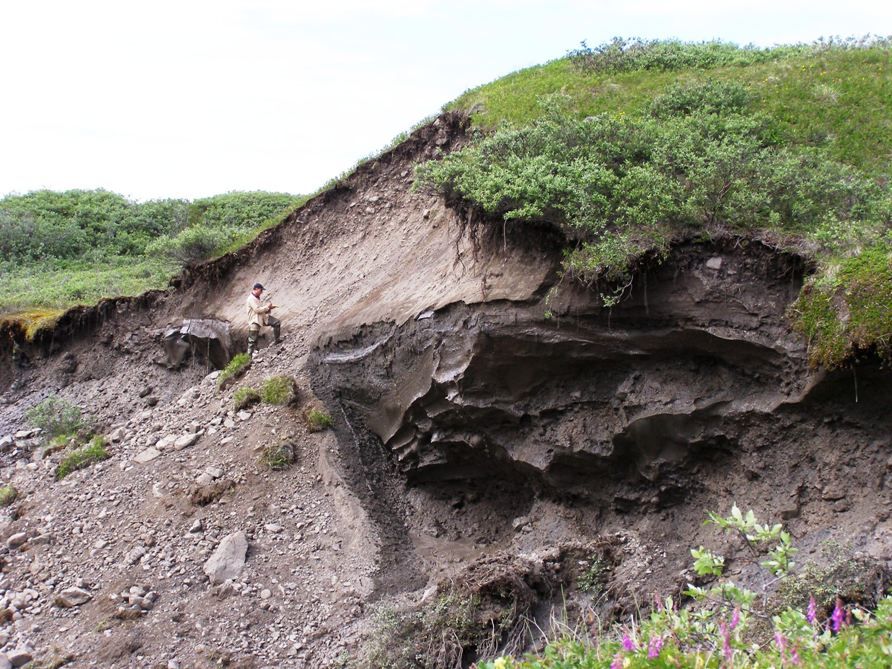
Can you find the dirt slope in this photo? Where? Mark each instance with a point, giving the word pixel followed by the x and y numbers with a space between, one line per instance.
pixel 487 417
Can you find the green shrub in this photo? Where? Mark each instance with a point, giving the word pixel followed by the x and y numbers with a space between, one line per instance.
pixel 278 390
pixel 236 367
pixel 83 457
pixel 317 420
pixel 192 245
pixel 56 417
pixel 8 495
pixel 277 456
pixel 245 397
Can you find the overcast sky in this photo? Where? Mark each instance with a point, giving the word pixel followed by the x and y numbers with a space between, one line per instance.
pixel 190 98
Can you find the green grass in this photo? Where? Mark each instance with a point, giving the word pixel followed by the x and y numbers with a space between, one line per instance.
pixel 278 390
pixel 236 367
pixel 83 457
pixel 59 284
pixel 61 249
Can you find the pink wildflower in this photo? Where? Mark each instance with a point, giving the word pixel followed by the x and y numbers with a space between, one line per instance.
pixel 780 641
pixel 654 647
pixel 617 661
pixel 735 618
pixel 628 642
pixel 726 641
pixel 794 656
pixel 837 618
pixel 811 613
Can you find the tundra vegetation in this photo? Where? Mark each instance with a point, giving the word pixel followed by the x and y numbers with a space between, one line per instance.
pixel 634 146
pixel 58 249
pixel 727 625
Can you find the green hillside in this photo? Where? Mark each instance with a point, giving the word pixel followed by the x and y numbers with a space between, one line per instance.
pixel 58 249
pixel 633 146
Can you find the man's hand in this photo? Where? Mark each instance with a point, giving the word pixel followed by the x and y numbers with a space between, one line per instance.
pixel 272 306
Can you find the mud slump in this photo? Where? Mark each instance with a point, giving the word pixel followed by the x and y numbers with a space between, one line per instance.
pixel 458 423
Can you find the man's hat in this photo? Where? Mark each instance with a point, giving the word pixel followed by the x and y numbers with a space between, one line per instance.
pixel 259 285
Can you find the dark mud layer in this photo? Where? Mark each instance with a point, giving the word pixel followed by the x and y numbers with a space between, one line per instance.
pixel 558 418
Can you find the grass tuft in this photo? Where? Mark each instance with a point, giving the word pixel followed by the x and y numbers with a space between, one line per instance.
pixel 278 456
pixel 317 420
pixel 278 390
pixel 245 397
pixel 83 457
pixel 236 367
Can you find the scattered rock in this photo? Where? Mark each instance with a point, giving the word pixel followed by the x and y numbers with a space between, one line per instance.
pixel 16 540
pixel 714 263
pixel 185 441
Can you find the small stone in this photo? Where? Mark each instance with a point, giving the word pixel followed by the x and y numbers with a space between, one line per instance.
pixel 17 539
pixel 714 263
pixel 265 593
pixel 197 527
pixel 100 544
pixel 214 472
pixel 147 455
pixel 244 415
pixel 273 527
pixel 135 555
pixel 20 656
pixel 71 597
pixel 204 479
pixel 185 441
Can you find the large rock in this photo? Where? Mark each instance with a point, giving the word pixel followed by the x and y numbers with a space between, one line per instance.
pixel 71 597
pixel 229 558
pixel 202 338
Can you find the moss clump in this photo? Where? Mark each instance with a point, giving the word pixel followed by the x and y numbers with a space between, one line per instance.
pixel 236 367
pixel 245 397
pixel 83 457
pixel 317 420
pixel 847 307
pixel 278 390
pixel 277 456
pixel 8 495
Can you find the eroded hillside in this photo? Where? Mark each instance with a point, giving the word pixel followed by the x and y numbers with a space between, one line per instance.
pixel 497 433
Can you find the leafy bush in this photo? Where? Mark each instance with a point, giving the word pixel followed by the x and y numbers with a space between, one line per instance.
pixel 55 417
pixel 245 397
pixel 83 457
pixel 318 420
pixel 624 55
pixel 236 367
pixel 278 390
pixel 8 495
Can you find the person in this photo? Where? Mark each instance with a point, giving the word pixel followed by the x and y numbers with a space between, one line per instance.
pixel 259 316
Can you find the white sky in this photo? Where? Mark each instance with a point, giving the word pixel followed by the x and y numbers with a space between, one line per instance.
pixel 189 98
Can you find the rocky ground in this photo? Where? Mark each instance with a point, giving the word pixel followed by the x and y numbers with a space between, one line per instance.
pixel 499 437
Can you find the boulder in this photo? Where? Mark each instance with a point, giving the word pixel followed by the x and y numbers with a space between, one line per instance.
pixel 71 597
pixel 201 338
pixel 229 558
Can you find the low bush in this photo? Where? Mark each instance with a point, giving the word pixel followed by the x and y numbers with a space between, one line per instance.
pixel 55 417
pixel 245 397
pixel 317 420
pixel 8 495
pixel 236 367
pixel 278 390
pixel 83 457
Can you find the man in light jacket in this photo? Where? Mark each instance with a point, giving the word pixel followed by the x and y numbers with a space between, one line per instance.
pixel 258 316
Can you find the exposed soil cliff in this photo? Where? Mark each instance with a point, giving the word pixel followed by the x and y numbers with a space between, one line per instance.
pixel 494 429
